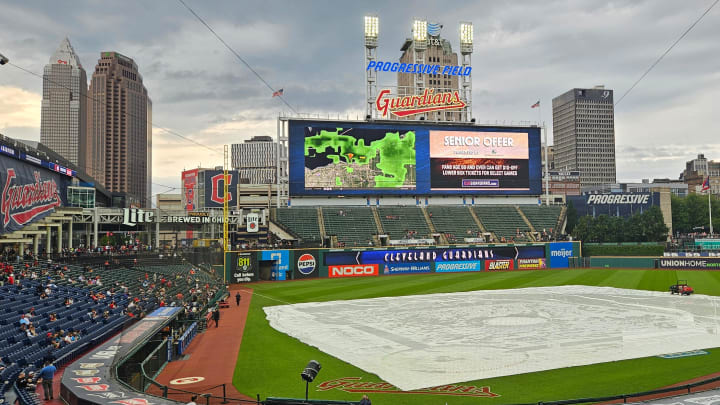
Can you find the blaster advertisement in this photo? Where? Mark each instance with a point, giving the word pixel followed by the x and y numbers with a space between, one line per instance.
pixel 495 265
pixel 464 160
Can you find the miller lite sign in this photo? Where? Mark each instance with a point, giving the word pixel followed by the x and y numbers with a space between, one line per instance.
pixel 28 194
pixel 252 222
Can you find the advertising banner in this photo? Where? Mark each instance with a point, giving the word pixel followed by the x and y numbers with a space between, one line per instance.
pixel 353 270
pixel 406 268
pixel 559 254
pixel 454 267
pixel 494 265
pixel 214 188
pixel 366 159
pixel 307 264
pixel 280 262
pixel 689 263
pixel 464 160
pixel 422 260
pixel 245 269
pixel 28 193
pixel 531 264
pixel 190 183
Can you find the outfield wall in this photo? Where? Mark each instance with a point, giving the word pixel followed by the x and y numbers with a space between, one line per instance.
pixel 294 264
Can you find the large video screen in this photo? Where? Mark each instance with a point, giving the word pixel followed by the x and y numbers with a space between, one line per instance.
pixel 359 159
pixel 471 160
pixel 369 159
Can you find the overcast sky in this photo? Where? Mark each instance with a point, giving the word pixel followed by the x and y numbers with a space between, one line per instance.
pixel 524 51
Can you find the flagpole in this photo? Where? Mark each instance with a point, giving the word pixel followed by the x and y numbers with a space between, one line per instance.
pixel 547 158
pixel 710 213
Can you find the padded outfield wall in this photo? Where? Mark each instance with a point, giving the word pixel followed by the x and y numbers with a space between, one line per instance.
pixel 295 264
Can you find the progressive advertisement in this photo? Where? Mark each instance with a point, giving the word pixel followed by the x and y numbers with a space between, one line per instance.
pixel 362 158
pixel 465 160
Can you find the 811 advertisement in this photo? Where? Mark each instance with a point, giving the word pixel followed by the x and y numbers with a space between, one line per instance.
pixel 449 260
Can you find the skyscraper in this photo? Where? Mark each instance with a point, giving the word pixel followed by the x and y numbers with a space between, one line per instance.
pixel 119 123
pixel 63 125
pixel 584 134
pixel 256 160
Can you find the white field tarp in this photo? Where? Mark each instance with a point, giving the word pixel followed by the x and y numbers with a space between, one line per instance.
pixel 423 341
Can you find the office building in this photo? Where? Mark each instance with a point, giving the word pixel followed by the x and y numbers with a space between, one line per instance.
pixel 256 160
pixel 63 125
pixel 584 134
pixel 431 49
pixel 120 129
pixel 697 171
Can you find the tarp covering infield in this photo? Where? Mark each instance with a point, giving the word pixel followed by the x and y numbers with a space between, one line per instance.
pixel 421 341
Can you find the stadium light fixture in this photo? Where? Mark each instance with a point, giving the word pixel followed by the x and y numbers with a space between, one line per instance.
pixel 3 59
pixel 420 30
pixel 311 371
pixel 372 26
pixel 466 33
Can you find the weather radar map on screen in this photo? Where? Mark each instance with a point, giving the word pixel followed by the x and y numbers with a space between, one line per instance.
pixel 359 158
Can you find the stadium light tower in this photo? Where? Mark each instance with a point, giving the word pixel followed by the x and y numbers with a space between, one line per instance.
pixel 420 43
pixel 371 39
pixel 466 49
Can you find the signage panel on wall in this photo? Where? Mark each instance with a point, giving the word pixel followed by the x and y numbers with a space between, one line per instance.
pixel 689 263
pixel 358 158
pixel 353 270
pixel 246 269
pixel 307 264
pixel 28 193
pixel 215 188
pixel 531 264
pixel 559 254
pixel 280 262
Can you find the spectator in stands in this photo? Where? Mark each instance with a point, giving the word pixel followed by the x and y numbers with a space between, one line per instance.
pixel 24 320
pixel 2 365
pixel 53 317
pixel 365 400
pixel 25 382
pixel 31 313
pixel 68 302
pixel 31 331
pixel 93 314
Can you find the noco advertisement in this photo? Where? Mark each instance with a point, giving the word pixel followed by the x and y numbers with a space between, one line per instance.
pixel 358 158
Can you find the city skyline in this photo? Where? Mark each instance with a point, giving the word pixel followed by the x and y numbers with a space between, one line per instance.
pixel 522 53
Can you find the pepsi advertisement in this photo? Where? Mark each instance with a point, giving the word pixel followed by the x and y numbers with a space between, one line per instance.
pixel 307 264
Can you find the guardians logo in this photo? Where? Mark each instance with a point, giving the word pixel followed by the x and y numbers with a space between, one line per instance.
pixel 411 105
pixel 354 385
pixel 22 203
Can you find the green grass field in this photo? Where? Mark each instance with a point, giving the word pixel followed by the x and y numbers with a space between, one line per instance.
pixel 269 362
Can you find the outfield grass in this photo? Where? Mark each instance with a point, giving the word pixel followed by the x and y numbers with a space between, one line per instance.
pixel 269 362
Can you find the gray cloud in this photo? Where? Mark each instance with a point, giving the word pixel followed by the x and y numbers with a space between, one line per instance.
pixel 524 51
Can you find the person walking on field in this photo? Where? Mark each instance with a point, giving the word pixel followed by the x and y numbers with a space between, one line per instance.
pixel 237 298
pixel 216 316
